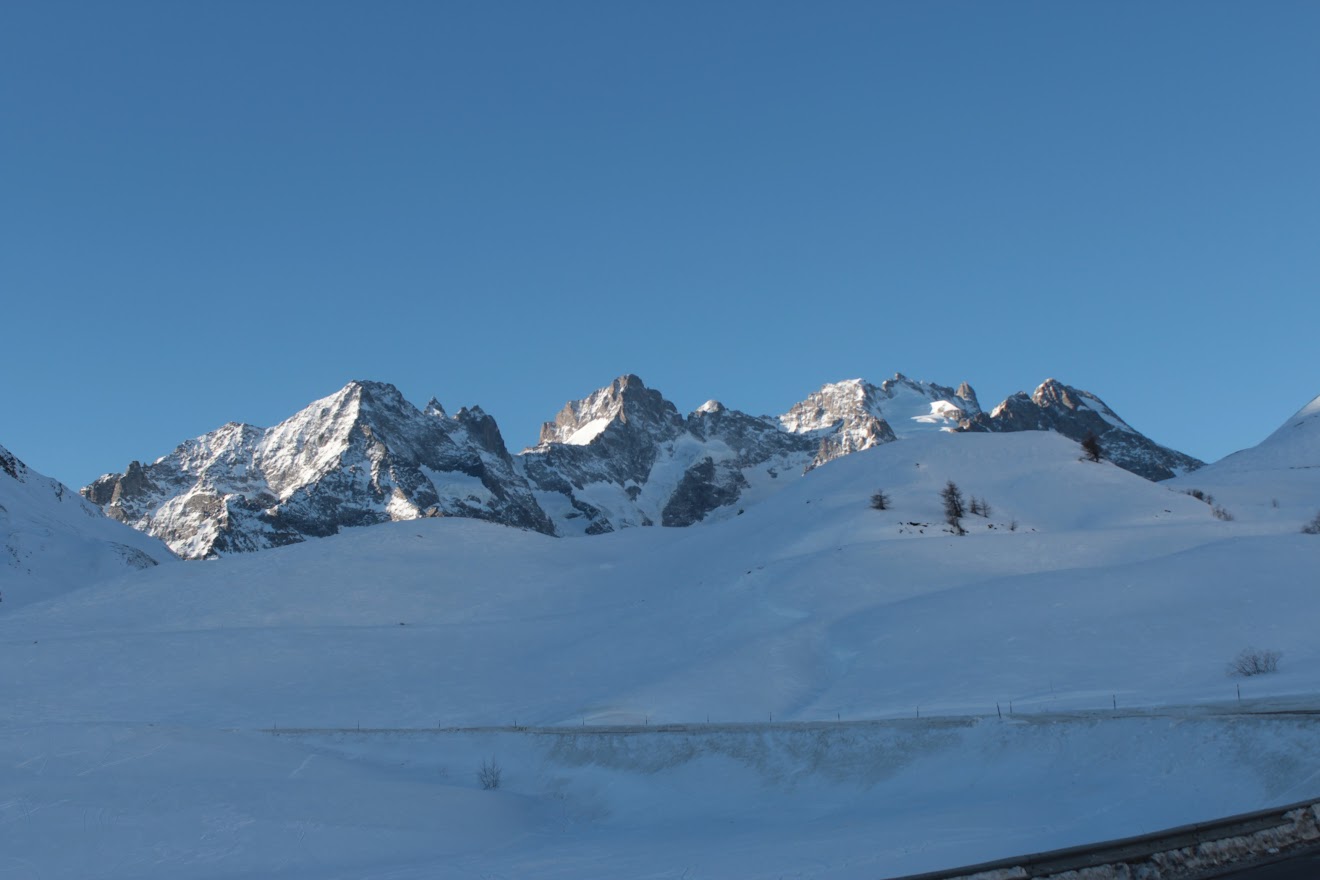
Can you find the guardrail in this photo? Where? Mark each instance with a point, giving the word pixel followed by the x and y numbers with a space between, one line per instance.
pixel 1202 849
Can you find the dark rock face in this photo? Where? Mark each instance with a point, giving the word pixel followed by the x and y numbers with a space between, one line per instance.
pixel 752 439
pixel 623 456
pixel 10 464
pixel 700 491
pixel 611 435
pixel 1076 414
pixel 361 456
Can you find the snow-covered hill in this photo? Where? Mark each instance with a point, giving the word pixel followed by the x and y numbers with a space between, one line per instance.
pixel 51 540
pixel 1078 564
pixel 1085 590
pixel 1275 484
pixel 1294 446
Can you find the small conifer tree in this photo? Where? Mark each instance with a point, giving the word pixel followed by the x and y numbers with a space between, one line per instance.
pixel 954 510
pixel 1091 446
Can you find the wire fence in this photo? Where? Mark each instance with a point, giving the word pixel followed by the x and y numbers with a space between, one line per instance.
pixel 1296 706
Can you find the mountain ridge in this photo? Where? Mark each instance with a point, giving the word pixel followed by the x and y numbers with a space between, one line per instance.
pixel 623 456
pixel 51 538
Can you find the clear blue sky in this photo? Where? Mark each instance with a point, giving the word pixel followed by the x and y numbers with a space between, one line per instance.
pixel 222 211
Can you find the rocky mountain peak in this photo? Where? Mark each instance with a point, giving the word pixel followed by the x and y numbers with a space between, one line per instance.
pixel 624 402
pixel 834 403
pixel 623 456
pixel 359 456
pixel 854 414
pixel 359 402
pixel 844 417
pixel 1075 414
pixel 1052 392
pixel 483 430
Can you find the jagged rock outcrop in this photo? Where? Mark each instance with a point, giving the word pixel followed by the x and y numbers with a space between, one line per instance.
pixel 360 456
pixel 52 540
pixel 1075 414
pixel 11 466
pixel 624 456
pixel 850 416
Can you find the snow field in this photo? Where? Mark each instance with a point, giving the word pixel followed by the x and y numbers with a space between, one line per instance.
pixel 846 801
pixel 132 747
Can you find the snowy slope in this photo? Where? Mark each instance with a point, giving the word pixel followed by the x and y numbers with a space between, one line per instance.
pixel 51 540
pixel 1276 483
pixel 1086 588
pixel 812 581
pixel 848 803
pixel 1294 446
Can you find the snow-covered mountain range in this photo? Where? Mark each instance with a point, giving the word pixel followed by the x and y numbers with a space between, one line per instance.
pixel 50 538
pixel 622 456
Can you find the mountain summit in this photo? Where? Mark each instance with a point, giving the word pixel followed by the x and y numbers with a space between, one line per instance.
pixel 625 402
pixel 1075 414
pixel 855 415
